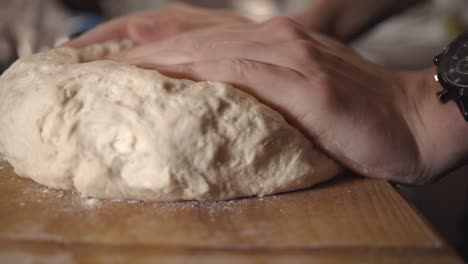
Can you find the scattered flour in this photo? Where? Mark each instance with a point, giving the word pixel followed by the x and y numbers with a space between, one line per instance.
pixel 92 203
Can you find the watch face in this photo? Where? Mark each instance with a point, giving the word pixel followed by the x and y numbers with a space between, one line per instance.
pixel 454 62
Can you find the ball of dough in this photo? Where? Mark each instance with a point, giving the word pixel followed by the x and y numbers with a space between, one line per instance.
pixel 111 130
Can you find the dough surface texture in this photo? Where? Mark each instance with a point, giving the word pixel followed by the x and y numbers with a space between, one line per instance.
pixel 108 130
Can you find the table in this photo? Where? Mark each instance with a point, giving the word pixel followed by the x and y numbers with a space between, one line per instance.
pixel 349 219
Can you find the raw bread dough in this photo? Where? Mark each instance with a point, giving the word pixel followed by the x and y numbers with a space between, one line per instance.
pixel 111 130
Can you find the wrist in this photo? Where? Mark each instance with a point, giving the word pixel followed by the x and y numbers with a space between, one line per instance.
pixel 440 129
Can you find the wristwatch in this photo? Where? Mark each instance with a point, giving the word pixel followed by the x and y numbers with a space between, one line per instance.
pixel 452 73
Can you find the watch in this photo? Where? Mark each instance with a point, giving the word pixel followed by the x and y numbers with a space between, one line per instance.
pixel 452 73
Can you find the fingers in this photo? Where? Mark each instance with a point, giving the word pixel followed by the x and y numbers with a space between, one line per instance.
pixel 268 83
pixel 139 28
pixel 107 31
pixel 185 54
pixel 148 26
pixel 295 55
pixel 192 41
pixel 274 31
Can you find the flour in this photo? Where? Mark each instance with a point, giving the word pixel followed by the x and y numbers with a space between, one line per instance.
pixel 92 203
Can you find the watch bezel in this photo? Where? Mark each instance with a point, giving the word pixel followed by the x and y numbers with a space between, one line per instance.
pixel 442 60
pixel 451 91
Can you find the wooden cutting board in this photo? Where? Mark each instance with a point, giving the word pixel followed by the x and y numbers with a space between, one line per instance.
pixel 346 220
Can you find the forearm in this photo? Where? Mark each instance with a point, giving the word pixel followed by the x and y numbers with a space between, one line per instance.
pixel 440 128
pixel 345 19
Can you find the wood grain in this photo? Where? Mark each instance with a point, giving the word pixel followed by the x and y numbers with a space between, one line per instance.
pixel 347 219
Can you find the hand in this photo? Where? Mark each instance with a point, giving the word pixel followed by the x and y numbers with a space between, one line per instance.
pixel 148 26
pixel 376 122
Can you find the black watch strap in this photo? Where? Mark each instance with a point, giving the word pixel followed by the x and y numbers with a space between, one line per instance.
pixel 459 95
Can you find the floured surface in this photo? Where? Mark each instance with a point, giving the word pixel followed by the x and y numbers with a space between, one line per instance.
pixel 111 130
pixel 344 220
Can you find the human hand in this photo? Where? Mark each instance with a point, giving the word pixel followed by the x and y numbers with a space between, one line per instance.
pixel 154 25
pixel 377 122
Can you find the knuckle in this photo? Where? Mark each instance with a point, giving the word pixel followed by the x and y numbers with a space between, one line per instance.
pixel 286 27
pixel 304 49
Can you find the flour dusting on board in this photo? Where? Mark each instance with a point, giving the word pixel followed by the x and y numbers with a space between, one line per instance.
pixel 60 215
pixel 74 202
pixel 92 202
pixel 39 194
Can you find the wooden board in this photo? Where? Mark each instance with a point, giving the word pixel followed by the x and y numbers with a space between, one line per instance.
pixel 348 219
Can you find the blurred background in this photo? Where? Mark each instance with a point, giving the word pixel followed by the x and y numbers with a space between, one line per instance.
pixel 406 41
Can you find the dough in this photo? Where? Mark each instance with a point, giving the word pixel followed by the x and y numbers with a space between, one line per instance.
pixel 111 130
